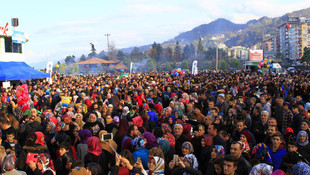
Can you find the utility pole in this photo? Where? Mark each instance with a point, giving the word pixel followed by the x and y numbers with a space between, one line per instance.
pixel 217 59
pixel 107 35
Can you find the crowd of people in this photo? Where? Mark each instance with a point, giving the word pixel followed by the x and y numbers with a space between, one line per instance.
pixel 212 123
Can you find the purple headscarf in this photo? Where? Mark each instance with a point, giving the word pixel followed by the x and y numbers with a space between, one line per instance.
pixel 151 140
pixel 84 134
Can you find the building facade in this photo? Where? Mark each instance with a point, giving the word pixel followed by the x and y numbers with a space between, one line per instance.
pixel 294 36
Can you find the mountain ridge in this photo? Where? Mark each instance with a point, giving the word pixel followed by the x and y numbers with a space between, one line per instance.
pixel 247 34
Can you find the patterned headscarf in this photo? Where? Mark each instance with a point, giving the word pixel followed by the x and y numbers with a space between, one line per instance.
pixel 301 168
pixel 164 144
pixel 138 143
pixel 166 128
pixel 189 146
pixel 245 146
pixel 9 163
pixel 219 150
pixel 159 165
pixel 261 153
pixel 192 160
pixel 261 168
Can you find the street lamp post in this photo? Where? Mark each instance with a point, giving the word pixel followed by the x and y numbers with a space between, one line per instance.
pixel 107 35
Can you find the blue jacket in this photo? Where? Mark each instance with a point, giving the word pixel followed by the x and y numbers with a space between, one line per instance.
pixel 143 153
pixel 277 156
pixel 153 117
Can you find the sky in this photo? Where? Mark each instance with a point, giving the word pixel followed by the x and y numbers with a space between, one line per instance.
pixel 60 28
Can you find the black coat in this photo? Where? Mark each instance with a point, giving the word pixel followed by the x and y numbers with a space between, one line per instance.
pixel 178 144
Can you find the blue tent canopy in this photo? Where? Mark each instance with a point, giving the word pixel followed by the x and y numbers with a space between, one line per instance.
pixel 19 71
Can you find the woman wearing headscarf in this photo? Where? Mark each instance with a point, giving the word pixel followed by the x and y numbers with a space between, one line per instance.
pixel 95 154
pixel 187 148
pixel 82 147
pixel 303 144
pixel 93 124
pixel 167 134
pixel 261 168
pixel 186 166
pixel 125 113
pixel 156 166
pixel 140 151
pixel 301 168
pixel 168 152
pixel 151 140
pixel 205 155
pixel 217 152
pixel 9 166
pixel 121 132
pixel 34 145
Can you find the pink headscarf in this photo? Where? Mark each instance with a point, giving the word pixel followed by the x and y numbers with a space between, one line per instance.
pixel 94 146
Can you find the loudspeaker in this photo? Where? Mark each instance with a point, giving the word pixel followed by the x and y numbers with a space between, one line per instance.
pixel 15 22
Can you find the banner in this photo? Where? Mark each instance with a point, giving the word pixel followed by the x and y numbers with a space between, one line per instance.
pixel 256 55
pixel 18 37
pixel 49 69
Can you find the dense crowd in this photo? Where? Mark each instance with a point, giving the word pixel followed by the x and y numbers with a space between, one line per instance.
pixel 212 123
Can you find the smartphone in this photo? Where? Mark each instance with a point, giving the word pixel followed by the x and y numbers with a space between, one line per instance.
pixel 138 159
pixel 32 157
pixel 107 136
pixel 175 158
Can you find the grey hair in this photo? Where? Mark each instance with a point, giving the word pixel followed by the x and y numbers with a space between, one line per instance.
pixel 177 125
pixel 264 111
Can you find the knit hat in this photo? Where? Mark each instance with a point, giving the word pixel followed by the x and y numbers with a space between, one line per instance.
pixel 109 119
pixel 289 130
pixel 116 119
pixel 78 171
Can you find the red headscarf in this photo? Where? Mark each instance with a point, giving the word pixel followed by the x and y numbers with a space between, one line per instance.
pixel 94 146
pixel 158 108
pixel 40 138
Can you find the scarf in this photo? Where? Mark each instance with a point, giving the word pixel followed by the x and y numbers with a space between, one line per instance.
pixel 94 146
pixel 307 138
pixel 159 166
pixel 84 134
pixel 192 161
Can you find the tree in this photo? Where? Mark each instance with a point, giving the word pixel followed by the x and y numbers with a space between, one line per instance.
pixel 62 68
pixel 188 52
pixel 70 59
pixel 112 51
pixel 168 66
pixel 223 65
pixel 200 49
pixel 73 68
pixel 151 66
pixel 167 54
pixel 177 52
pixel 136 55
pixel 185 64
pixel 120 55
pixel 306 56
pixel 82 58
pixel 234 63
